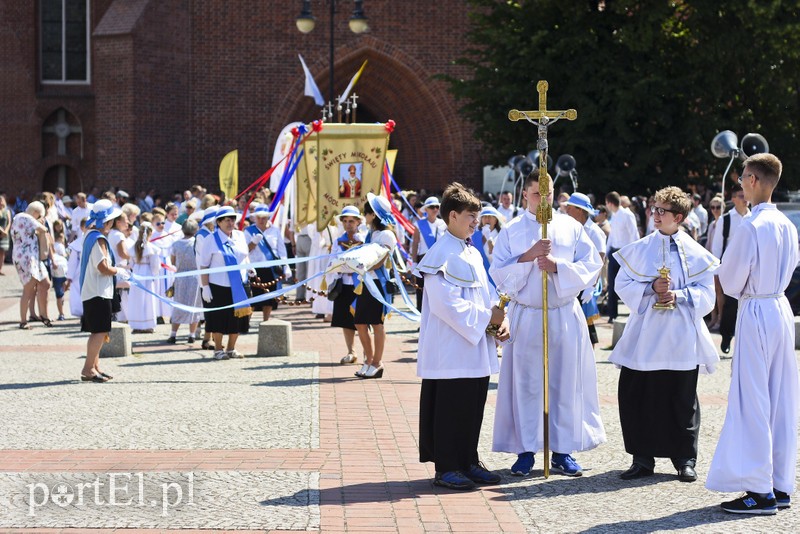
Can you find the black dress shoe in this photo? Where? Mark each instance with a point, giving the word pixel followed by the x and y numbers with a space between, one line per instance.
pixel 687 474
pixel 636 471
pixel 725 346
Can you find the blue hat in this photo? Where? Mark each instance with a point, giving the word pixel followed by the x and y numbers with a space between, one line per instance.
pixel 381 207
pixel 227 211
pixel 431 201
pixel 261 211
pixel 102 212
pixel 209 214
pixel 350 211
pixel 491 211
pixel 579 200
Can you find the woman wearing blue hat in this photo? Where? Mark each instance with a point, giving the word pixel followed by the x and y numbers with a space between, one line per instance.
pixel 98 272
pixel 342 317
pixel 369 311
pixel 226 246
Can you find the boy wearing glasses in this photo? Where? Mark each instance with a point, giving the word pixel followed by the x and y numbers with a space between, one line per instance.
pixel 667 280
pixel 757 448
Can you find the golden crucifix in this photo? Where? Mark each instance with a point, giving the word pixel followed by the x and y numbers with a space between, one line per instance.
pixel 543 119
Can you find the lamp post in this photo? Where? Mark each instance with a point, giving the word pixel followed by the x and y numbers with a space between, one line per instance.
pixel 358 24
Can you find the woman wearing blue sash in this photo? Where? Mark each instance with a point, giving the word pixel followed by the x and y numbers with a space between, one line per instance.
pixel 98 273
pixel 342 316
pixel 369 310
pixel 226 246
pixel 265 243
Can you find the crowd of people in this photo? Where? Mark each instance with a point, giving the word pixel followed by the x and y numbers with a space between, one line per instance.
pixel 659 255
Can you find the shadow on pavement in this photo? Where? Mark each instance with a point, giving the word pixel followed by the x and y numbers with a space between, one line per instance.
pixel 679 520
pixel 558 485
pixel 367 492
pixel 30 385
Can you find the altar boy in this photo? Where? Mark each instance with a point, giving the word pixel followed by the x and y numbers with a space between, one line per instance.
pixel 456 355
pixel 757 448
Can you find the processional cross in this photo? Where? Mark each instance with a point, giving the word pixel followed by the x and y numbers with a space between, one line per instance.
pixel 543 119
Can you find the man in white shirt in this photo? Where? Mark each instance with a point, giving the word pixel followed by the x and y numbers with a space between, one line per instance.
pixel 723 233
pixel 623 232
pixel 506 207
pixel 79 212
pixel 701 213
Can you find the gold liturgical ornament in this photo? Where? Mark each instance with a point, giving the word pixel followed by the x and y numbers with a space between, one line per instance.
pixel 543 118
pixel 664 272
pixel 493 328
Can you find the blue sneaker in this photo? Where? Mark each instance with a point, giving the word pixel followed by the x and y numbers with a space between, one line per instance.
pixel 522 467
pixel 783 499
pixel 480 475
pixel 454 480
pixel 566 465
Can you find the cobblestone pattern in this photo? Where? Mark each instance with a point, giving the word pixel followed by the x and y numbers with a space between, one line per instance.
pixel 175 500
pixel 163 400
pixel 600 501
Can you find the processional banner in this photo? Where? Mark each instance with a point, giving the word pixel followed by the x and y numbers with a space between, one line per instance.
pixel 343 163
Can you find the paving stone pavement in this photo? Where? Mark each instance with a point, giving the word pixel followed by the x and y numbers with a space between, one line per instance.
pixel 230 500
pixel 290 429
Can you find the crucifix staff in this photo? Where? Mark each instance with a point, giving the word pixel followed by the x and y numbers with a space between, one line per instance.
pixel 543 119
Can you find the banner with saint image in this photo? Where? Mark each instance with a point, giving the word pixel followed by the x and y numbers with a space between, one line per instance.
pixel 348 159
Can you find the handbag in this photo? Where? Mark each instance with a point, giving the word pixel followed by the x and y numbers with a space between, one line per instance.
pixel 335 289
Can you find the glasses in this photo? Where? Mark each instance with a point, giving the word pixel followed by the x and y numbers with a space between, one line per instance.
pixel 661 211
pixel 158 224
pixel 715 207
pixel 433 207
pixel 227 219
pixel 741 178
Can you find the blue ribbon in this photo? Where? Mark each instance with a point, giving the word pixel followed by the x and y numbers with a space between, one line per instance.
pixel 98 216
pixel 237 287
pixel 88 242
pixel 289 169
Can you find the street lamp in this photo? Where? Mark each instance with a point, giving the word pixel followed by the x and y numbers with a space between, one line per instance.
pixel 358 24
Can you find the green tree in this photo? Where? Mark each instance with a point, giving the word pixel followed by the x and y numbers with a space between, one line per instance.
pixel 653 82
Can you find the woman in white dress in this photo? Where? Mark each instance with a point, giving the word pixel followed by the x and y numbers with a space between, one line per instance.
pixel 145 261
pixel 120 243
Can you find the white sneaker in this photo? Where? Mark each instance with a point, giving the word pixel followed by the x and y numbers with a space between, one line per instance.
pixel 234 354
pixel 220 355
pixel 350 358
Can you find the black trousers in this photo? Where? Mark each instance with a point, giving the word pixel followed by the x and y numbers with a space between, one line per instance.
pixel 613 299
pixel 727 325
pixel 450 419
pixel 660 415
